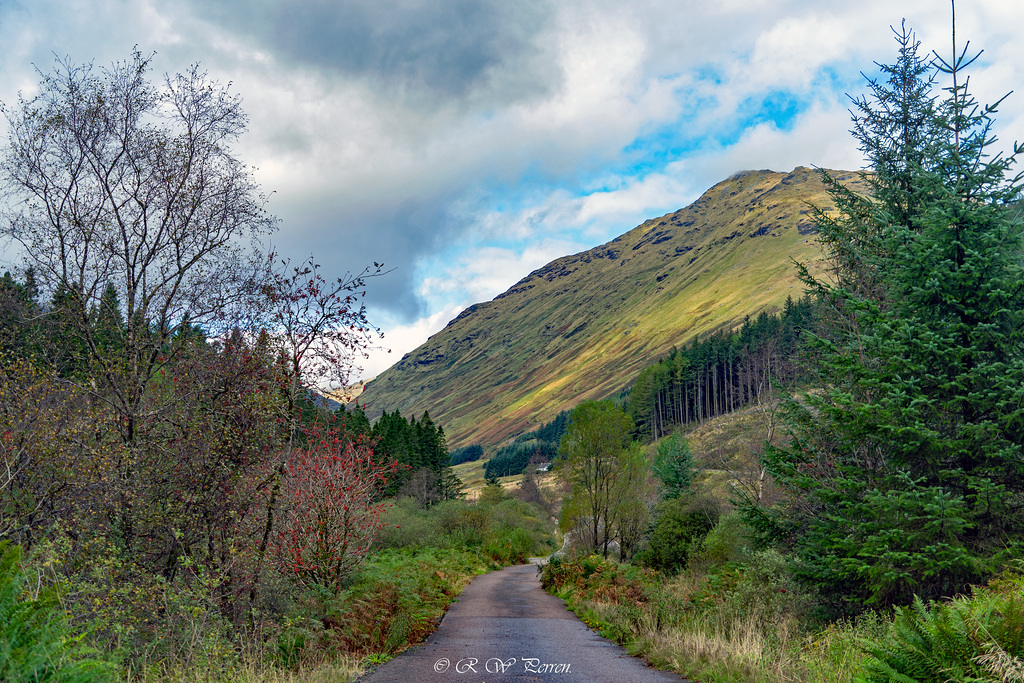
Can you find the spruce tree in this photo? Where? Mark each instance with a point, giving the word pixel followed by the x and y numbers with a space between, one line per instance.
pixel 108 324
pixel 904 474
pixel 18 313
pixel 674 467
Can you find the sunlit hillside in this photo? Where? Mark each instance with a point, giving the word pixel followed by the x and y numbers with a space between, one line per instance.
pixel 584 325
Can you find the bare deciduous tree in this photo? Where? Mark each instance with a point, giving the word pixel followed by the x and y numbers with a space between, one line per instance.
pixel 112 179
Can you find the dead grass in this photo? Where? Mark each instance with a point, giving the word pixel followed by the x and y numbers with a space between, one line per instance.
pixel 339 670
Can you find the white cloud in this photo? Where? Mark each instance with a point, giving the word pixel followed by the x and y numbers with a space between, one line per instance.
pixel 499 164
pixel 401 338
pixel 790 53
pixel 819 137
pixel 636 199
pixel 481 273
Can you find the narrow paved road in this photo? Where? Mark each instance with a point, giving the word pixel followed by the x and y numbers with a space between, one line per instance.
pixel 506 628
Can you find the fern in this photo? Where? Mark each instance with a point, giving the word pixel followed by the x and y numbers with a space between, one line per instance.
pixel 967 640
pixel 1004 624
pixel 35 643
pixel 927 645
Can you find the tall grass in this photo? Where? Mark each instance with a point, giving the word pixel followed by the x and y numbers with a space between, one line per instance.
pixel 733 616
pixel 736 616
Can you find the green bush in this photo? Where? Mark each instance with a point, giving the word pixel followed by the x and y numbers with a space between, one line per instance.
pixel 510 545
pixel 578 572
pixel 679 528
pixel 36 643
pixel 726 542
pixel 766 588
pixel 530 517
pixel 461 524
pixel 407 526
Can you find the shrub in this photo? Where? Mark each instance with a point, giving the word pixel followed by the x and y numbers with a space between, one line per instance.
pixel 726 542
pixel 405 525
pixel 678 530
pixel 461 524
pixel 767 589
pixel 560 571
pixel 333 508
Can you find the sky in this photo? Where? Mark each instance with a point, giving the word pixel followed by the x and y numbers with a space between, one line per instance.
pixel 465 143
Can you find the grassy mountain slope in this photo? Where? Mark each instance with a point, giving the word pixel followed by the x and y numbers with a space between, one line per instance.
pixel 583 326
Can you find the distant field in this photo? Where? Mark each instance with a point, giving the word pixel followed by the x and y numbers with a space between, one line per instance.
pixel 472 475
pixel 725 448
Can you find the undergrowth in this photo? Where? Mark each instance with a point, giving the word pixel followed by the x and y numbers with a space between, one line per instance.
pixel 746 621
pixel 976 638
pixel 36 642
pixel 395 599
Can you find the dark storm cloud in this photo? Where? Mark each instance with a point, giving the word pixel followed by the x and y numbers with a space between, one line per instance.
pixel 392 234
pixel 446 48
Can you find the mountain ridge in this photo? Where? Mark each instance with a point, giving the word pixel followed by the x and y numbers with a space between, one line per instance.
pixel 583 325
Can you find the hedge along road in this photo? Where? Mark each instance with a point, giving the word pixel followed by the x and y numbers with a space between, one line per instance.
pixel 505 628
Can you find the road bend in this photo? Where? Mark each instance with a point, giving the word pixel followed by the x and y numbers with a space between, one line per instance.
pixel 505 628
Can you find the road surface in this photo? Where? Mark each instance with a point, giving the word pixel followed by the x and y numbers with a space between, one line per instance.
pixel 505 628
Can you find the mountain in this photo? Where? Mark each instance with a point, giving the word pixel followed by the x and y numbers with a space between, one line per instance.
pixel 583 326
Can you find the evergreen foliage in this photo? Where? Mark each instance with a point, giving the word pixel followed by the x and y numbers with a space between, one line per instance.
pixel 513 458
pixel 674 467
pixel 18 312
pixel 905 472
pixel 720 373
pixel 421 445
pixel 678 529
pixel 540 445
pixel 550 431
pixel 466 454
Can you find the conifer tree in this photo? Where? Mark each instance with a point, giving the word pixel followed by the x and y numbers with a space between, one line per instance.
pixel 18 313
pixel 905 473
pixel 674 467
pixel 108 323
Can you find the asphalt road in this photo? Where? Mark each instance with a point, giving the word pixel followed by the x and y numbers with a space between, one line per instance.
pixel 505 628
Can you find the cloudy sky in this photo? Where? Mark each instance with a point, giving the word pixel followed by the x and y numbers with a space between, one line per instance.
pixel 465 143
